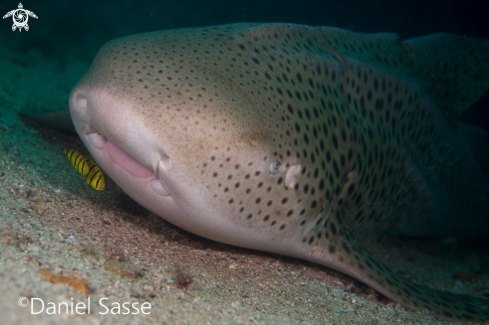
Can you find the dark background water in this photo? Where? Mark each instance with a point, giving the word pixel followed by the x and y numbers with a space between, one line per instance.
pixel 77 29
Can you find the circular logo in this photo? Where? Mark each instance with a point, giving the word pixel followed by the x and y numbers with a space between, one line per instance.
pixel 20 18
pixel 23 302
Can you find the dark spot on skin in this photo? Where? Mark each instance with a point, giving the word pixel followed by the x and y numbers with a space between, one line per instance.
pixel 351 188
pixel 321 184
pixel 447 313
pixel 471 310
pixel 332 226
pixel 335 141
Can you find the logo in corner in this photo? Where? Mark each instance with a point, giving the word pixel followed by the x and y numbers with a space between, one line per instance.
pixel 20 17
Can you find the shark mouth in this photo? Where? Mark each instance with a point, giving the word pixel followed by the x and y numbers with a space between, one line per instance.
pixel 119 156
pixel 126 162
pixel 122 159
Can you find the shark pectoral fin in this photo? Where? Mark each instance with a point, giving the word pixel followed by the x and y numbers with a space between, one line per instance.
pixel 336 246
pixel 60 120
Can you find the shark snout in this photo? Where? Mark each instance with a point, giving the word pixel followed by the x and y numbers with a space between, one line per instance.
pixel 104 125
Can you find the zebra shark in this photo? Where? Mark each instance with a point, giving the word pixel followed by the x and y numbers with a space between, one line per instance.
pixel 297 140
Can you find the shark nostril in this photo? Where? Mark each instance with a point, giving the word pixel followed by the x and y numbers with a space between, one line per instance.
pixel 82 102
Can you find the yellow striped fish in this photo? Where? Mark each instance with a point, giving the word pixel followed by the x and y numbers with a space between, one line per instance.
pixel 95 177
pixel 77 160
pixel 86 167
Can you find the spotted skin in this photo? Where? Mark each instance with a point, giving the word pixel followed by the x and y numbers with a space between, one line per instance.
pixel 299 141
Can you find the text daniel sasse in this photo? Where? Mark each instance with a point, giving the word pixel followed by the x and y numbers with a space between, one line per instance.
pixel 80 308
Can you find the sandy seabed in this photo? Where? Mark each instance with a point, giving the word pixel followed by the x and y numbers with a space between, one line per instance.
pixel 55 228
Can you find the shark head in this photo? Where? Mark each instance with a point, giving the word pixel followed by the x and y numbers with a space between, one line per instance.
pixel 186 142
pixel 287 139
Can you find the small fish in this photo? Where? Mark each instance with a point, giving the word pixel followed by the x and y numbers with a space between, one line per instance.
pixel 86 167
pixel 77 160
pixel 95 176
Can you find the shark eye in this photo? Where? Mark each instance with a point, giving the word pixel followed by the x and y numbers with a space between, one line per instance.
pixel 275 166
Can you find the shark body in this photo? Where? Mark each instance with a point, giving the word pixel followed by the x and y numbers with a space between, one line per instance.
pixel 296 140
